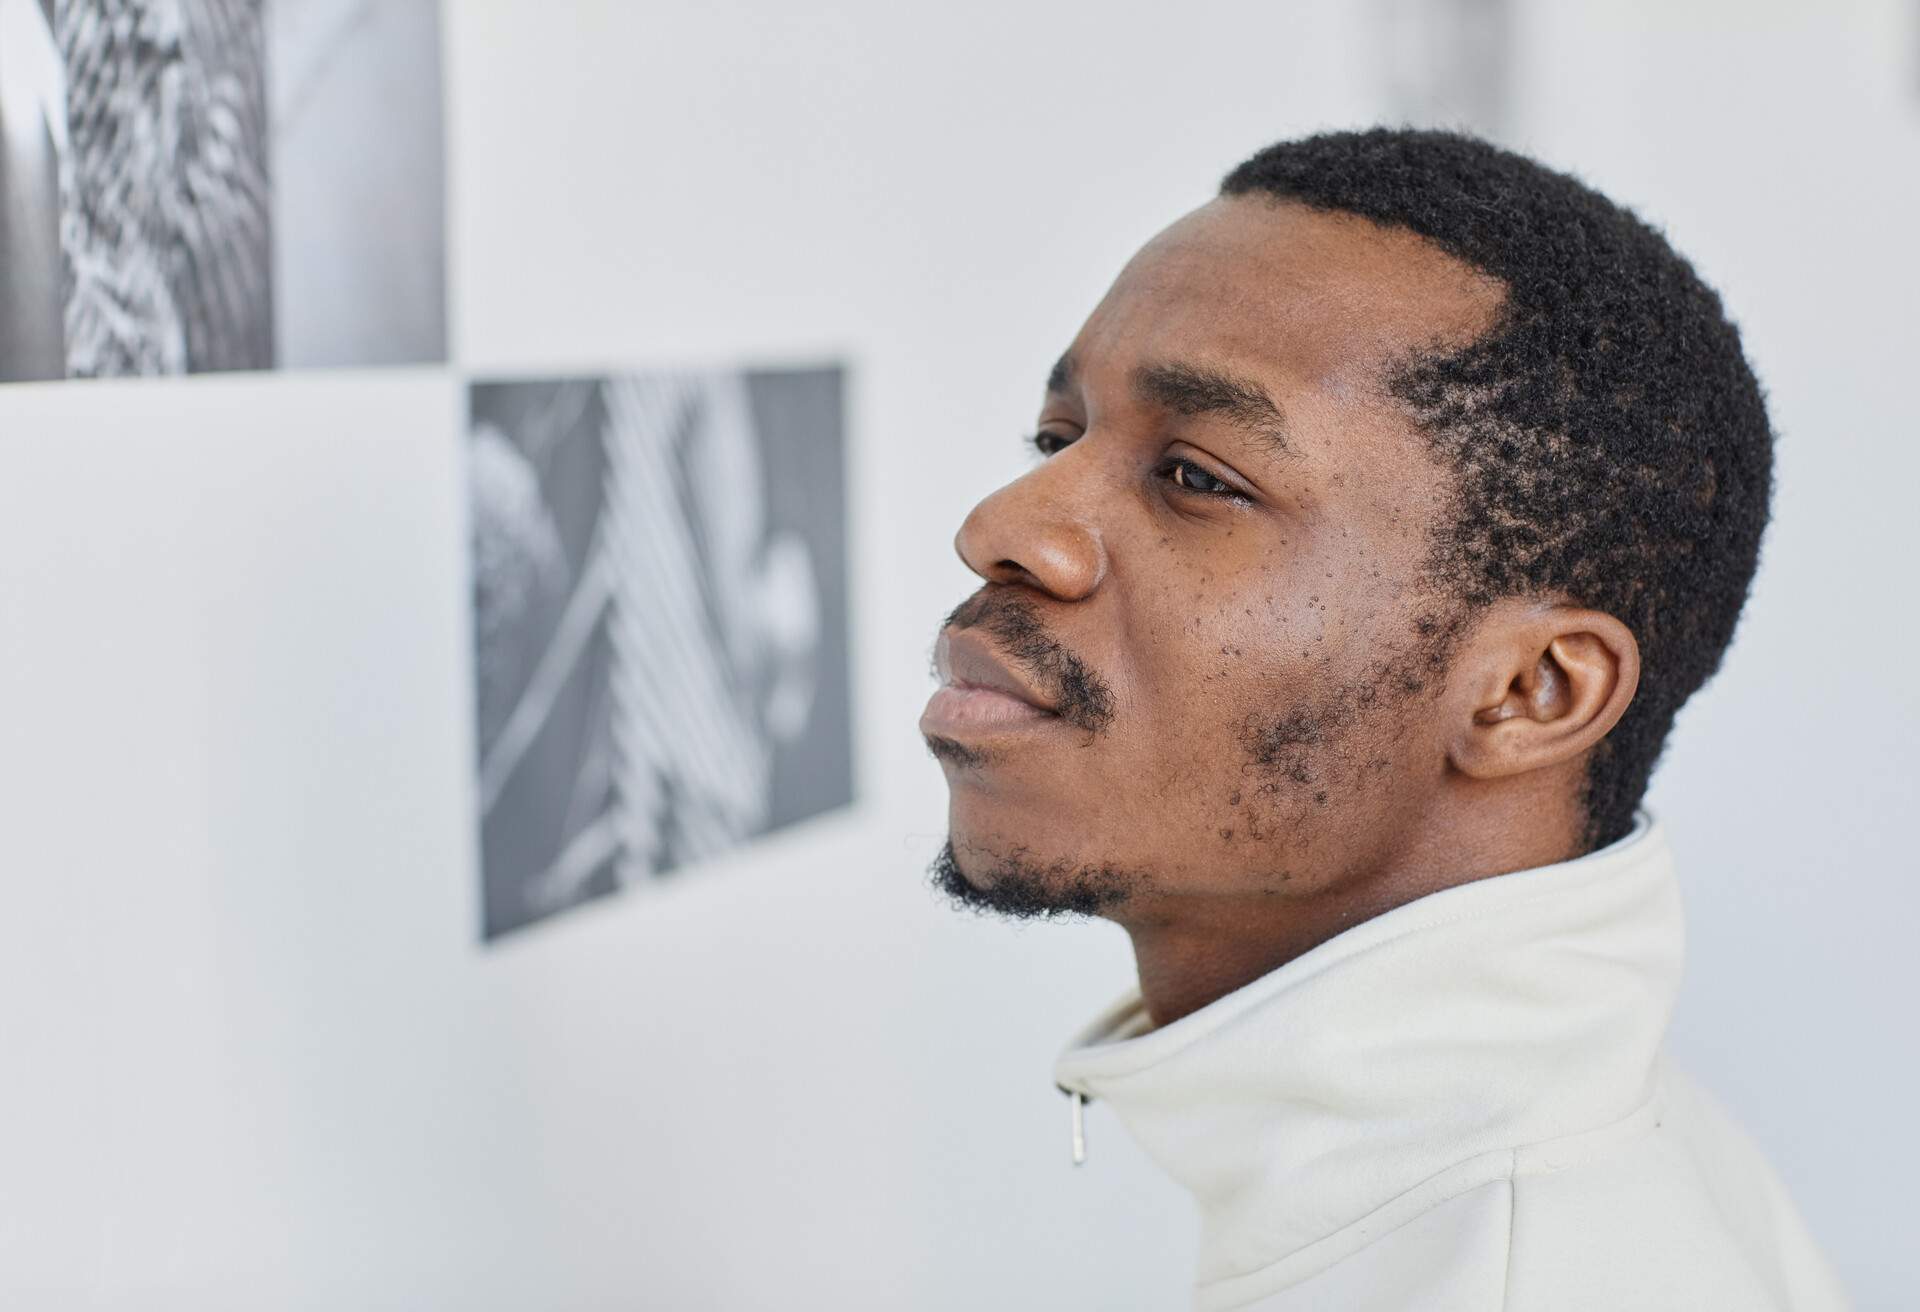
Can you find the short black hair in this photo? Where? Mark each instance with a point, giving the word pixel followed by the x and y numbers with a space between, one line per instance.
pixel 1610 441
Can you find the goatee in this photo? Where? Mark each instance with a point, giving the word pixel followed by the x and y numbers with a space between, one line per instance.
pixel 1023 890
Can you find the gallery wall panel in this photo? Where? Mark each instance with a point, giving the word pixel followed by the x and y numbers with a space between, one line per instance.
pixel 258 1054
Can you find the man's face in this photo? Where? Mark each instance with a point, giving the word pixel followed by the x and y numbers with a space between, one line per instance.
pixel 1219 575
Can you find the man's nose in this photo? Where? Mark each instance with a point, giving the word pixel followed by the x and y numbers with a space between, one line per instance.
pixel 1036 531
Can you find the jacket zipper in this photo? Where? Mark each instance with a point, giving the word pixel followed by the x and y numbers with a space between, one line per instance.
pixel 1077 1104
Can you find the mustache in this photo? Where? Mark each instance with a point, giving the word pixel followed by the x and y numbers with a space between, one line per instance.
pixel 1013 621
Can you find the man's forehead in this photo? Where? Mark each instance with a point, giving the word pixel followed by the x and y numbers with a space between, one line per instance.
pixel 1303 295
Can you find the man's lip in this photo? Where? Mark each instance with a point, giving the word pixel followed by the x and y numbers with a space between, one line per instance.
pixel 966 660
pixel 959 711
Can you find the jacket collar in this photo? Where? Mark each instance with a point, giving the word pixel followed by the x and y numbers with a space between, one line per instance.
pixel 1511 1010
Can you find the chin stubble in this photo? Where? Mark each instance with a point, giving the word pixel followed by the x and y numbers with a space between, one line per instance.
pixel 1022 889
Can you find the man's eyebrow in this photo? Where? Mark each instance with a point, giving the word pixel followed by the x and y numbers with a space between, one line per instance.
pixel 1193 389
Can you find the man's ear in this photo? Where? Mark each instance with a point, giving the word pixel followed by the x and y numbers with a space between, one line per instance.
pixel 1543 683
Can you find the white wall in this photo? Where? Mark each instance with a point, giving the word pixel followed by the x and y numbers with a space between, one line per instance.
pixel 254 1055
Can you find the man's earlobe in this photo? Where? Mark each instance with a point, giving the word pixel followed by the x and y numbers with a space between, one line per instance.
pixel 1544 689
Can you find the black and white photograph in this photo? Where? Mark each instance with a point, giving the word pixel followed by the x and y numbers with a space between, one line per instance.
pixel 199 185
pixel 660 646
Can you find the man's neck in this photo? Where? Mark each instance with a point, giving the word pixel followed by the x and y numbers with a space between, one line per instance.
pixel 1210 951
pixel 1193 949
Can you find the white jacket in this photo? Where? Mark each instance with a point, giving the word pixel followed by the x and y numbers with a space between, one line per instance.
pixel 1463 1104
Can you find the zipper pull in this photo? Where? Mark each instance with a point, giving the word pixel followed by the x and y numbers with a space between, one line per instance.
pixel 1077 1101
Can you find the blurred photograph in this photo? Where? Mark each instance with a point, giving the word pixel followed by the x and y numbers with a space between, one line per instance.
pixel 660 647
pixel 201 185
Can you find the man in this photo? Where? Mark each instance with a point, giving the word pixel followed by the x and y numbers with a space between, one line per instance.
pixel 1393 502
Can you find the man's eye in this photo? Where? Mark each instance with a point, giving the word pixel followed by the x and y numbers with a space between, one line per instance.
pixel 1183 474
pixel 1189 477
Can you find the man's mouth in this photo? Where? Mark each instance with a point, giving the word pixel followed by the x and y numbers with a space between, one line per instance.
pixel 960 708
pixel 980 691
